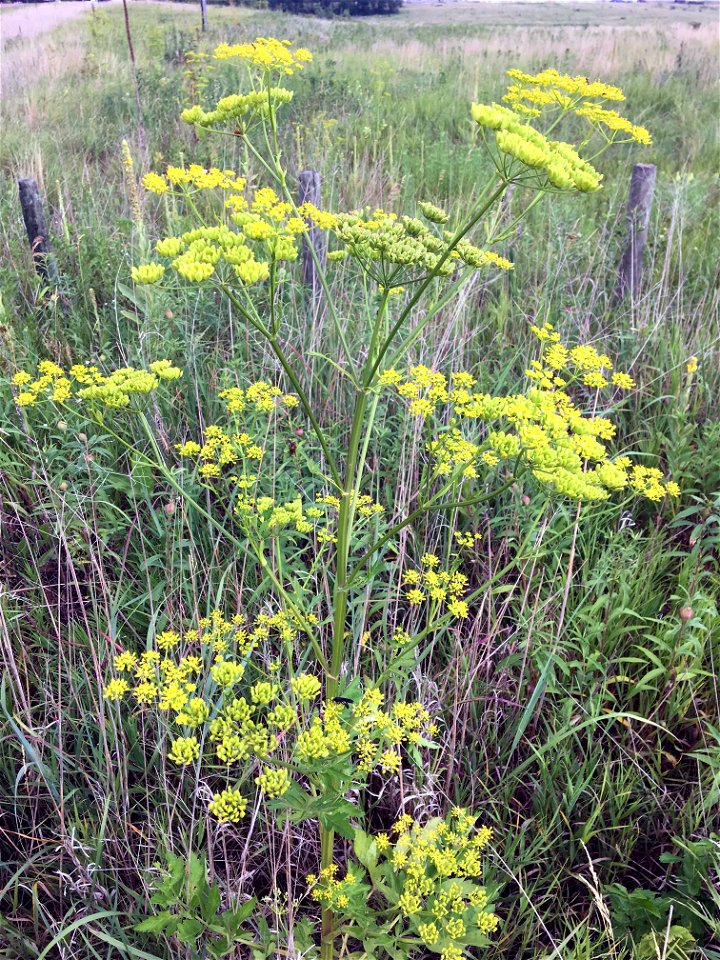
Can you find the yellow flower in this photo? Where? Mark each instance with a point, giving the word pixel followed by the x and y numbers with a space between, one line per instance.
pixel 189 449
pixel 429 933
pixel 595 379
pixel 125 661
pixel 458 608
pixel 226 673
pixel 382 842
pixel 116 689
pixel 164 370
pixel 455 928
pixel 148 273
pixel 267 53
pixel 409 904
pixel 167 640
pixel 228 806
pixel 184 751
pixel 611 119
pixel 692 365
pixel 623 381
pixel 263 692
pixel 305 686
pixel 194 713
pixel 389 762
pixel 155 183
pixel 274 783
pixel 145 692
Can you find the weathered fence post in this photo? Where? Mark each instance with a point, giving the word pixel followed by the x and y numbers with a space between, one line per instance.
pixel 309 192
pixel 138 103
pixel 203 15
pixel 640 197
pixel 34 217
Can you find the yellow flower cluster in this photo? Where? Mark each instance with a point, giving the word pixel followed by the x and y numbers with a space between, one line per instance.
pixel 266 58
pixel 267 228
pixel 543 428
pixel 264 397
pixel 86 383
pixel 228 449
pixel 529 97
pixel 466 541
pixel 366 730
pixel 274 783
pixel 442 588
pixel 228 806
pixel 267 53
pixel 332 892
pixel 561 164
pixel 231 455
pixel 192 178
pixel 399 250
pixel 575 86
pixel 426 388
pixel 238 109
pixel 305 687
pixel 578 95
pixel 598 116
pixel 148 273
pixel 437 868
pixel 209 683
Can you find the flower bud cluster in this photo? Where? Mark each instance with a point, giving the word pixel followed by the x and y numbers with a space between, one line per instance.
pixel 232 712
pixel 404 248
pixel 443 589
pixel 543 428
pixel 436 868
pixel 86 383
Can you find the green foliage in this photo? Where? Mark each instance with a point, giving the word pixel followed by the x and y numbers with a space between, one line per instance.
pixel 676 943
pixel 192 908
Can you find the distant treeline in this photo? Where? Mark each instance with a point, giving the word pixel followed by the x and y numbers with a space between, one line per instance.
pixel 326 8
pixel 337 8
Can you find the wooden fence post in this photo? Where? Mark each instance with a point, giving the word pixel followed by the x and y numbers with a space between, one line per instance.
pixel 34 217
pixel 309 192
pixel 203 15
pixel 640 198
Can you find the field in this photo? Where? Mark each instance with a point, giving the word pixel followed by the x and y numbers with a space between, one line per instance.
pixel 570 682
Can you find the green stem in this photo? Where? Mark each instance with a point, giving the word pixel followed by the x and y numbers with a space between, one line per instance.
pixel 346 518
pixel 327 919
pixel 294 380
pixel 417 296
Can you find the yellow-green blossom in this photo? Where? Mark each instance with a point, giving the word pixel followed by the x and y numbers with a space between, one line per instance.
pixel 228 806
pixel 273 783
pixel 184 751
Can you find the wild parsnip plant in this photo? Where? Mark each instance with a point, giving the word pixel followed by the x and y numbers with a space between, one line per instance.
pixel 245 719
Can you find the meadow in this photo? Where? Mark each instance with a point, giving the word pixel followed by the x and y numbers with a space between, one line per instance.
pixel 575 703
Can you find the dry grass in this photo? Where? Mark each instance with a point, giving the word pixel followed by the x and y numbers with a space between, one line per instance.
pixel 599 49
